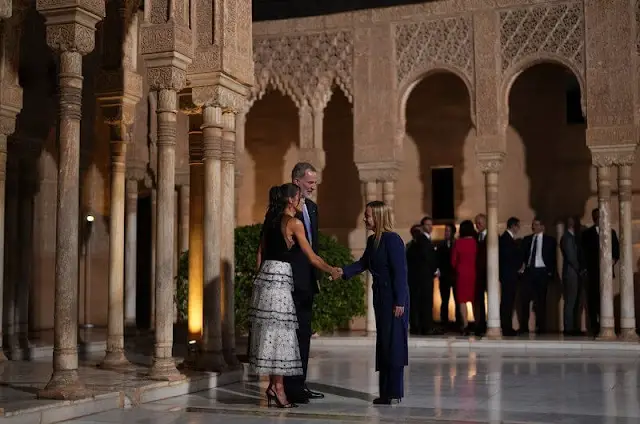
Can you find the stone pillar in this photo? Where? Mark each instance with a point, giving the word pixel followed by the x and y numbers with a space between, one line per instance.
pixel 607 331
pixel 627 300
pixel 559 309
pixel 370 194
pixel 154 250
pixel 212 358
pixel 196 211
pixel 131 253
pixel 12 255
pixel 241 121
pixel 389 193
pixel 227 242
pixel 491 164
pixel 183 207
pixel 70 32
pixel 115 324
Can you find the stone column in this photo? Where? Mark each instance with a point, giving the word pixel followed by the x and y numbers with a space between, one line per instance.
pixel 227 243
pixel 212 358
pixel 131 253
pixel 389 193
pixel 603 167
pixel 154 251
pixel 491 164
pixel 560 229
pixel 370 194
pixel 196 211
pixel 12 255
pixel 183 207
pixel 627 300
pixel 241 121
pixel 115 325
pixel 70 32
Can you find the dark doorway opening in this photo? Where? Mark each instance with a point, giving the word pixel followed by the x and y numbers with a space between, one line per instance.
pixel 442 199
pixel 143 260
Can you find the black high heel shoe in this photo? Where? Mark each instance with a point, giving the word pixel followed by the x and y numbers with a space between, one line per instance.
pixel 271 396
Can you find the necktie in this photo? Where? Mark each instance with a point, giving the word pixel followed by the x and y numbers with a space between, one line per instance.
pixel 534 250
pixel 307 222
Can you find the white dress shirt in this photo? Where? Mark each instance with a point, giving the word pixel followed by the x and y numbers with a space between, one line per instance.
pixel 538 262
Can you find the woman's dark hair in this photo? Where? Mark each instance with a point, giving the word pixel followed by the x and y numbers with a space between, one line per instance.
pixel 452 228
pixel 467 229
pixel 279 197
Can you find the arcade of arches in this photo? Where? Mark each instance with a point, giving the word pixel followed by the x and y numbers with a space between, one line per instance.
pixel 445 107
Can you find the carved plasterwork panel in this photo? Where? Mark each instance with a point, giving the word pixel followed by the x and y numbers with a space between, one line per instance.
pixel 423 46
pixel 544 31
pixel 305 66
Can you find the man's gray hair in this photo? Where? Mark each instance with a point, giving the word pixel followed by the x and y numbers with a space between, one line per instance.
pixel 298 172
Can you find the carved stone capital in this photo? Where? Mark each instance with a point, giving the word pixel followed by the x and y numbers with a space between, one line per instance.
pixel 136 170
pixel 604 156
pixel 378 171
pixel 166 78
pixel 10 98
pixel 7 124
pixel 219 96
pixel 120 83
pixel 71 24
pixel 490 161
pixel 6 9
pixel 186 105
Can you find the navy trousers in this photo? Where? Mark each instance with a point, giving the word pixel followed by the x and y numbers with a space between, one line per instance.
pixel 391 381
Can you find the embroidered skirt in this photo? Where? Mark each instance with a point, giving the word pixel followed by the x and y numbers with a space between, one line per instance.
pixel 272 313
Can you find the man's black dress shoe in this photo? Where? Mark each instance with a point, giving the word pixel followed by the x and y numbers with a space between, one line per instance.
pixel 386 401
pixel 298 398
pixel 313 395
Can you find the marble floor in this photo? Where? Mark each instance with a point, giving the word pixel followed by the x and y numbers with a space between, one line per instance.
pixel 441 386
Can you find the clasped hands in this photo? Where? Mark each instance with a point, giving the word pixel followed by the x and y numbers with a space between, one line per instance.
pixel 336 273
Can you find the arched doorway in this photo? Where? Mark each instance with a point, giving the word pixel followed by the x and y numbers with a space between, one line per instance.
pixel 547 173
pixel 271 140
pixel 437 157
pixel 339 195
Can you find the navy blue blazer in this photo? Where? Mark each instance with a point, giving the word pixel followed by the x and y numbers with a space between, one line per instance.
pixel 388 266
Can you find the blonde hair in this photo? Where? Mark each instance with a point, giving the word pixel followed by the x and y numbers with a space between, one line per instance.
pixel 382 218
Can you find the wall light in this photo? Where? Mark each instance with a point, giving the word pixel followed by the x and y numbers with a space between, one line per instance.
pixel 90 218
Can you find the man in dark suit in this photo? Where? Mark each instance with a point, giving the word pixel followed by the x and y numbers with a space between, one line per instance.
pixel 447 277
pixel 426 268
pixel 510 260
pixel 413 278
pixel 304 175
pixel 479 308
pixel 591 250
pixel 539 257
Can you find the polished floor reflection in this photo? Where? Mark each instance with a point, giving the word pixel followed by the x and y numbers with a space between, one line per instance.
pixel 462 387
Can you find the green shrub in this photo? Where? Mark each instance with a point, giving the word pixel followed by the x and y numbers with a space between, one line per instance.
pixel 336 304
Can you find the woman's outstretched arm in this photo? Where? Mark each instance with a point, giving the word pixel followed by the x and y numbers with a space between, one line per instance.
pixel 297 228
pixel 359 266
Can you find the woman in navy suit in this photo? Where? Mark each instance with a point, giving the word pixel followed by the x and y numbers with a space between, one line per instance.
pixel 385 258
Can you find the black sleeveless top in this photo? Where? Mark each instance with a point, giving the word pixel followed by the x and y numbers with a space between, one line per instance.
pixel 275 249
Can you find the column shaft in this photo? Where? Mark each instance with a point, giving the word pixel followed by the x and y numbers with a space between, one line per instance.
pixel 115 325
pixel 627 299
pixel 227 244
pixel 493 283
pixel 26 260
pixel 370 193
pixel 164 367
pixel 154 251
pixel 212 358
pixel 131 249
pixel 65 382
pixel 3 175
pixel 183 239
pixel 196 211
pixel 12 260
pixel 606 264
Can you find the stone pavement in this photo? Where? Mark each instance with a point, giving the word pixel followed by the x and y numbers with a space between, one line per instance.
pixel 443 385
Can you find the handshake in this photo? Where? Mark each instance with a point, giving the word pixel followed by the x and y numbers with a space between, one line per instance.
pixel 336 273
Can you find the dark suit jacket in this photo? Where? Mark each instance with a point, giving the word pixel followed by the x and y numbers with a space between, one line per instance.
pixel 427 264
pixel 481 264
pixel 443 255
pixel 591 250
pixel 548 252
pixel 304 283
pixel 510 258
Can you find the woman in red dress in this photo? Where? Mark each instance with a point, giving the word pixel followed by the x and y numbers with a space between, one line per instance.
pixel 463 260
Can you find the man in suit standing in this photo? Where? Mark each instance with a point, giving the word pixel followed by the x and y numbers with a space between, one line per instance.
pixel 479 308
pixel 413 276
pixel 510 260
pixel 591 249
pixel 426 272
pixel 572 273
pixel 447 277
pixel 539 256
pixel 305 280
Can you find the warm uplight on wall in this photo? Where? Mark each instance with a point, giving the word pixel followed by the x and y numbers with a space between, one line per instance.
pixel 196 279
pixel 90 218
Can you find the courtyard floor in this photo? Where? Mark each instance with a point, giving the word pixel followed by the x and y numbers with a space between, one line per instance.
pixel 442 385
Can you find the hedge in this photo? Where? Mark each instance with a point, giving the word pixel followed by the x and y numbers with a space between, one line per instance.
pixel 334 307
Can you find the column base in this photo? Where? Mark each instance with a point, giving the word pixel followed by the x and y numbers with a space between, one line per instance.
pixel 65 385
pixel 231 359
pixel 494 333
pixel 606 334
pixel 629 335
pixel 211 361
pixel 114 360
pixel 165 370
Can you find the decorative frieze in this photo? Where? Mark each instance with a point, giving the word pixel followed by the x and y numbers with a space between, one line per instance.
pixel 427 45
pixel 378 171
pixel 606 156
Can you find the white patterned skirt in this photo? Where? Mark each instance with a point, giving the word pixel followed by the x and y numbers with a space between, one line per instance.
pixel 274 344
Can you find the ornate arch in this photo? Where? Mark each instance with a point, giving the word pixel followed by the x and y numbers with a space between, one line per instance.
pixel 305 66
pixel 543 33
